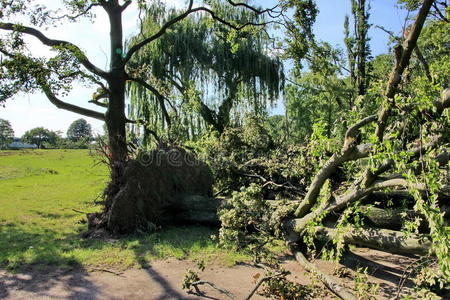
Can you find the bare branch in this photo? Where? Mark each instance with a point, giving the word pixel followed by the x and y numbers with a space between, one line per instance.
pixel 262 280
pixel 257 11
pixel 70 107
pixel 56 43
pixel 66 16
pixel 327 280
pixel 214 286
pixel 440 14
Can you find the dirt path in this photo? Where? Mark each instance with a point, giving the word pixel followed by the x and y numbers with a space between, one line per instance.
pixel 163 279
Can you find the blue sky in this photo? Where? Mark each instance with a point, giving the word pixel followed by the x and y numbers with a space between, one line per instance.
pixel 29 111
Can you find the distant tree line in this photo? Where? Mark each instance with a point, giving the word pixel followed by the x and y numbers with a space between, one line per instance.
pixel 78 136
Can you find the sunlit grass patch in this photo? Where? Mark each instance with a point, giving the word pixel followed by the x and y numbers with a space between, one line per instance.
pixel 39 191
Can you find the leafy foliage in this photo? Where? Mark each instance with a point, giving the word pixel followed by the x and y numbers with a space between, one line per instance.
pixel 248 154
pixel 78 130
pixel 208 73
pixel 40 136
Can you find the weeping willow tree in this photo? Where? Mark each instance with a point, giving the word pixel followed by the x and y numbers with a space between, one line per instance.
pixel 202 74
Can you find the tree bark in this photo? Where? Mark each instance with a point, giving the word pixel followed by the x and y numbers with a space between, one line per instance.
pixel 381 239
pixel 115 118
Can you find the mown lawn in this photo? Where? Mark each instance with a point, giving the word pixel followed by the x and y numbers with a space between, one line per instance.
pixel 39 190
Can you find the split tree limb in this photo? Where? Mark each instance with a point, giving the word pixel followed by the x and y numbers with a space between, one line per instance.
pixel 350 153
pixel 402 62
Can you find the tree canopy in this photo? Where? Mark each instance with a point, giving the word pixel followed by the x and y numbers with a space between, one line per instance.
pixel 6 133
pixel 41 137
pixel 78 130
pixel 202 72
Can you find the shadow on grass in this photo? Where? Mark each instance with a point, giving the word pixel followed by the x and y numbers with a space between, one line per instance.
pixel 32 259
pixel 41 283
pixel 36 260
pixel 179 242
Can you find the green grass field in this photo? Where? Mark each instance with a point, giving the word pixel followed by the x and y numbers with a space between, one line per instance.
pixel 39 190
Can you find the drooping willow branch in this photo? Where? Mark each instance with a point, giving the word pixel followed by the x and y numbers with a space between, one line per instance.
pixel 158 95
pixel 179 18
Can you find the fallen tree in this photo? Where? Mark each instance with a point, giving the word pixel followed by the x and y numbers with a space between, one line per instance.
pixel 413 167
pixel 398 159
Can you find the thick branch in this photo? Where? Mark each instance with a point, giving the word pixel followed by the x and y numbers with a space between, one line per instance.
pixel 326 171
pixel 382 239
pixel 403 55
pixel 444 101
pixel 354 194
pixel 70 107
pixel 125 5
pixel 393 218
pixel 56 43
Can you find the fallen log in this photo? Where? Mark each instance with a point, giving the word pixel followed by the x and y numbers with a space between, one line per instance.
pixel 381 239
pixel 390 218
pixel 393 218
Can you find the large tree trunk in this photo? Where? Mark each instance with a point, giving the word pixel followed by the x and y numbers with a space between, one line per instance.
pixel 115 117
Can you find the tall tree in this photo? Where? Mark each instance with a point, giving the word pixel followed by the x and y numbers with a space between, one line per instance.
pixel 24 71
pixel 79 129
pixel 40 136
pixel 358 49
pixel 6 133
